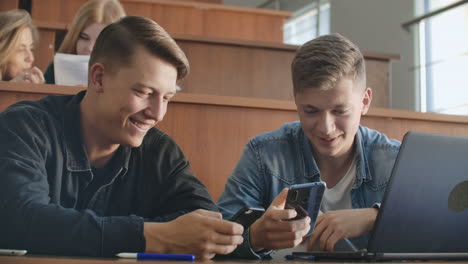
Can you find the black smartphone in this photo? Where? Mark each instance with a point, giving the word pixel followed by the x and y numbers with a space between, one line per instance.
pixel 306 199
pixel 247 216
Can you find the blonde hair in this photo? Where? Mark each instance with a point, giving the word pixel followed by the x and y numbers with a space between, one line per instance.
pixel 12 24
pixel 117 42
pixel 322 62
pixel 93 12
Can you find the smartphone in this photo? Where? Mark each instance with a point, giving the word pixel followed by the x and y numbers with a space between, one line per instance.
pixel 306 199
pixel 247 216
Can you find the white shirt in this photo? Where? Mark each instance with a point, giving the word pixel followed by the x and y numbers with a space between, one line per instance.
pixel 339 197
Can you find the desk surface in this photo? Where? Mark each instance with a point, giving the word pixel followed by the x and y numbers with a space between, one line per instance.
pixel 31 259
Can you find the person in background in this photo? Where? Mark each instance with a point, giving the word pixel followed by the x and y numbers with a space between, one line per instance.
pixel 18 37
pixel 328 144
pixel 89 21
pixel 90 174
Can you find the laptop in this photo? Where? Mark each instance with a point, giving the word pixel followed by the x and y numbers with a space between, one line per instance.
pixel 424 212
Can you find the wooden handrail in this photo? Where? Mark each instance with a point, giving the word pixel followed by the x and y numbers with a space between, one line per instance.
pixel 240 102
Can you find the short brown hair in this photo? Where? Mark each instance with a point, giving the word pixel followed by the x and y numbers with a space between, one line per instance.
pixel 115 45
pixel 12 24
pixel 322 62
pixel 92 12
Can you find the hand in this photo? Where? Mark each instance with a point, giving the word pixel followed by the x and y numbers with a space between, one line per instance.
pixel 33 75
pixel 202 233
pixel 335 225
pixel 272 231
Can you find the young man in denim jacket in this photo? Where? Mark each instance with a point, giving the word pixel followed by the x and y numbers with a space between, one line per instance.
pixel 328 144
pixel 90 175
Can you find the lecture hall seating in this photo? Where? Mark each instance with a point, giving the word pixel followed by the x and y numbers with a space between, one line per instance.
pixel 233 63
pixel 187 17
pixel 243 68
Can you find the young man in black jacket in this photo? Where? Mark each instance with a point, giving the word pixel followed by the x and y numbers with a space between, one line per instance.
pixel 90 175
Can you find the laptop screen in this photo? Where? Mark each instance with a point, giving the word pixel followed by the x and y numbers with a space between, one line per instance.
pixel 425 206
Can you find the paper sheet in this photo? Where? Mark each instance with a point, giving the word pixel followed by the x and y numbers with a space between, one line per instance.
pixel 71 69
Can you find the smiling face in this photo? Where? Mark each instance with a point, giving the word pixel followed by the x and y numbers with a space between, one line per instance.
pixel 22 58
pixel 331 118
pixel 87 38
pixel 133 99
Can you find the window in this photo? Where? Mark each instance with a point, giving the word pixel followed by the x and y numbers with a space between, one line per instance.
pixel 308 23
pixel 443 63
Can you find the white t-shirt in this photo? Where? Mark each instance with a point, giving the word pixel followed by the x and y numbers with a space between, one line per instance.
pixel 339 197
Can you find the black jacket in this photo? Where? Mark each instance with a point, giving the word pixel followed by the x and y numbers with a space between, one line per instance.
pixel 44 172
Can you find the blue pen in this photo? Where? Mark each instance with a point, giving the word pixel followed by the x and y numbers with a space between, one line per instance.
pixel 293 257
pixel 180 257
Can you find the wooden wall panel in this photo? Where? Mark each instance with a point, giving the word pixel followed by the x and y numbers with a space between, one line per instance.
pixel 378 78
pixel 69 9
pixel 47 11
pixel 239 68
pixel 139 9
pixel 6 5
pixel 246 26
pixel 45 50
pixel 269 28
pixel 183 17
pixel 237 71
pixel 213 137
pixel 259 70
pixel 213 130
pixel 187 20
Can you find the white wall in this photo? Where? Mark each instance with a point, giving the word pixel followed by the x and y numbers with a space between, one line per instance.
pixel 375 25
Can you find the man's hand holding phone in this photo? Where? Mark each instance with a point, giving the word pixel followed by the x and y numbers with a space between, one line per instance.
pixel 274 231
pixel 201 232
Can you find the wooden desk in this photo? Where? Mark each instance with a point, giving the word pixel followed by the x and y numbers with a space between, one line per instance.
pixel 213 130
pixel 77 260
pixel 37 259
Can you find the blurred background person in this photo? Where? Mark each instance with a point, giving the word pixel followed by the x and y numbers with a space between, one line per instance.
pixel 18 36
pixel 90 19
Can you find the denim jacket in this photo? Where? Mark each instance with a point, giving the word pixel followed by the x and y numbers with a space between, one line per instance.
pixel 44 172
pixel 278 159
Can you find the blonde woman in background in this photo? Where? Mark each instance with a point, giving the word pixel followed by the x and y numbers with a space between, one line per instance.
pixel 90 19
pixel 18 37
